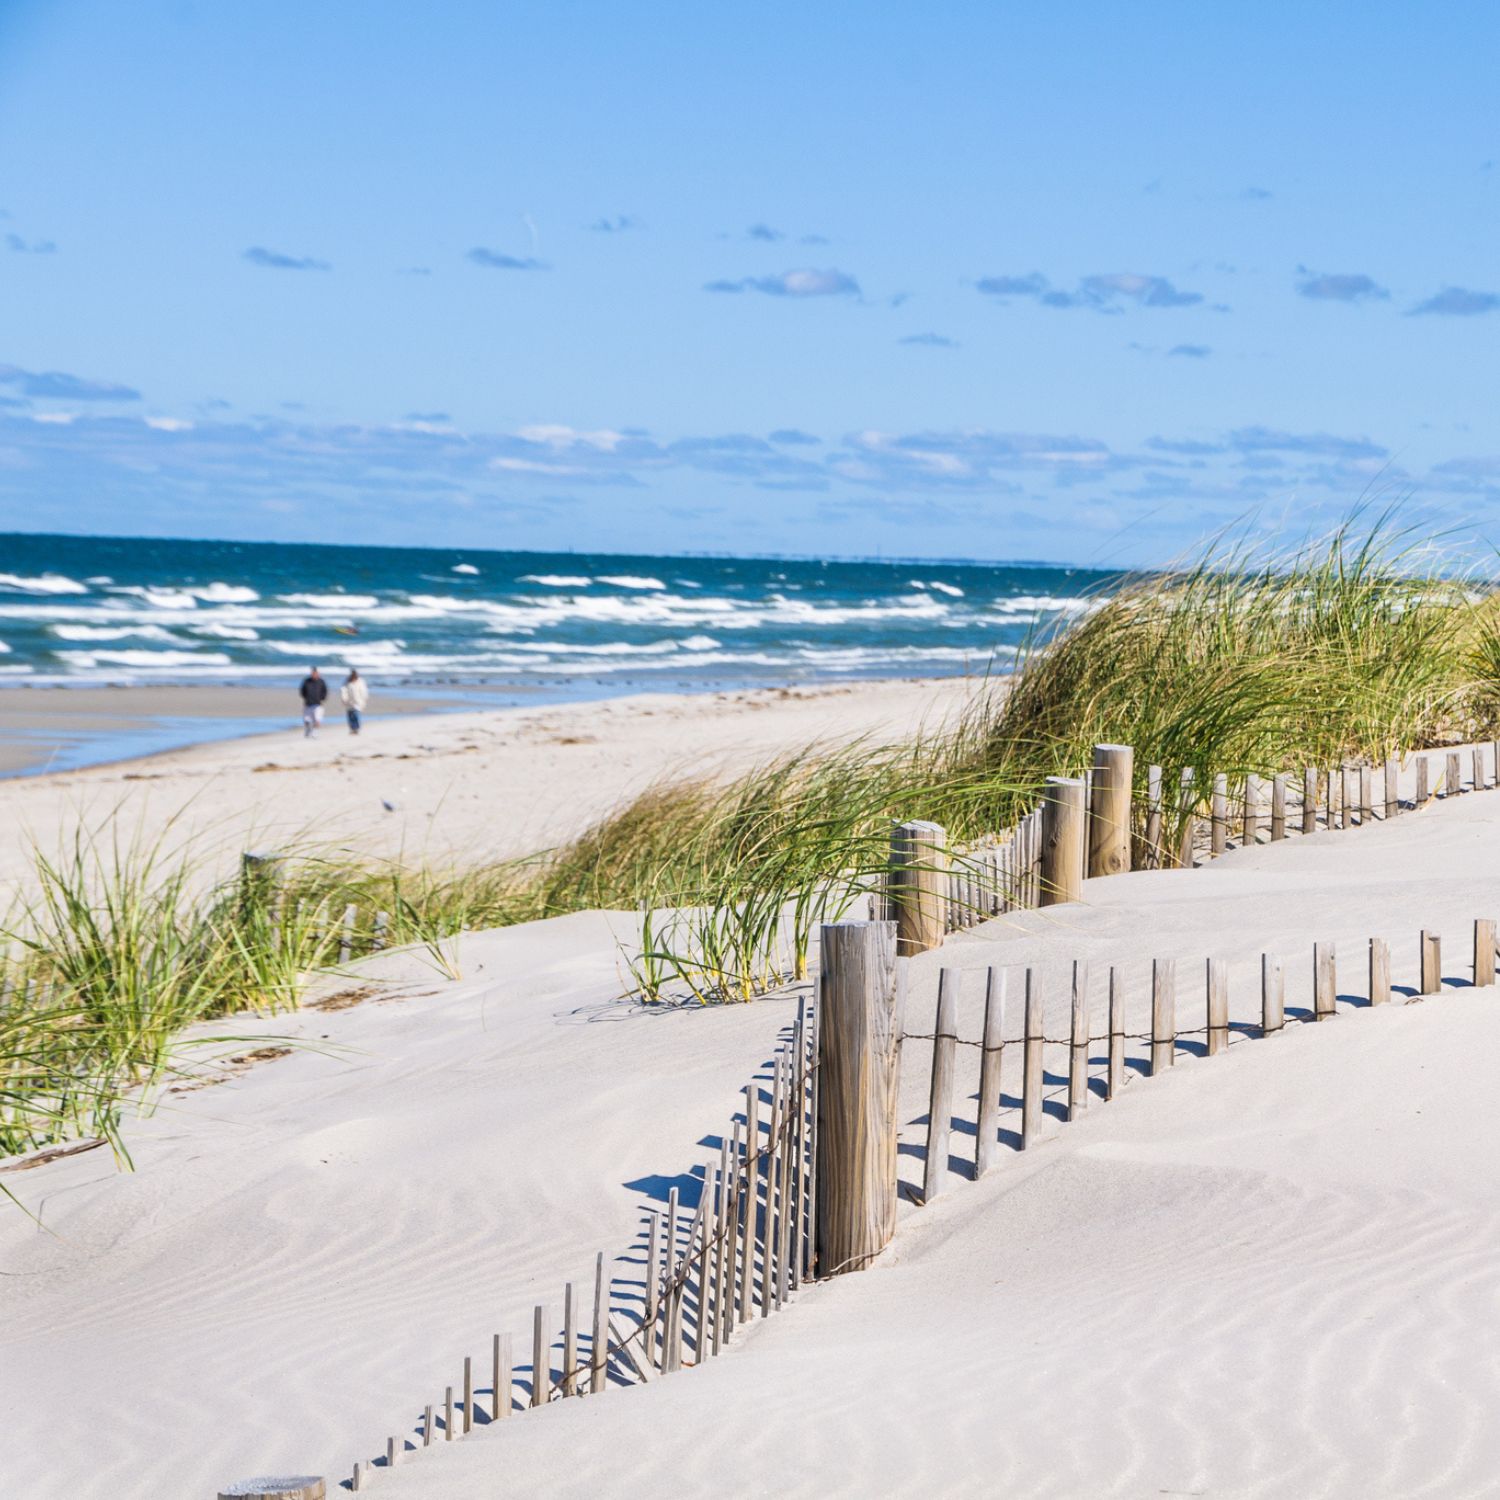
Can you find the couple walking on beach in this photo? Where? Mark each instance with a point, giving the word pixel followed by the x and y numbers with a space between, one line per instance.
pixel 354 694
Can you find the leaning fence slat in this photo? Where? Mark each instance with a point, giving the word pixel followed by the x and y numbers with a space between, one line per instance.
pixel 1272 994
pixel 1380 971
pixel 940 1099
pixel 1163 1014
pixel 1031 1082
pixel 987 1137
pixel 1484 953
pixel 1115 1077
pixel 1325 985
pixel 599 1342
pixel 1432 964
pixel 669 1268
pixel 749 1235
pixel 1218 1006
pixel 1078 1043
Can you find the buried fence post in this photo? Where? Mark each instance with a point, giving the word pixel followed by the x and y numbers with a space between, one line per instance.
pixel 1432 965
pixel 277 1487
pixel 918 885
pixel 1063 835
pixel 1325 984
pixel 1163 1014
pixel 1109 810
pixel 1309 800
pixel 1218 1006
pixel 1392 789
pixel 1187 810
pixel 1278 808
pixel 1423 791
pixel 859 1052
pixel 1484 953
pixel 1219 815
pixel 1078 1044
pixel 1380 971
pixel 1272 994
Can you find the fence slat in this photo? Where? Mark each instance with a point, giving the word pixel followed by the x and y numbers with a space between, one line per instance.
pixel 1424 790
pixel 1115 1077
pixel 1188 811
pixel 770 1281
pixel 1154 860
pixel 1309 800
pixel 987 1123
pixel 1218 836
pixel 468 1393
pixel 1392 788
pixel 1484 953
pixel 501 1378
pixel 1031 1082
pixel 918 885
pixel 346 941
pixel 1366 797
pixel 599 1342
pixel 1325 985
pixel 1272 994
pixel 1380 971
pixel 1252 810
pixel 1432 964
pixel 1218 1006
pixel 748 1232
pixel 1163 1014
pixel 1453 776
pixel 541 1363
pixel 1278 808
pixel 940 1098
pixel 1078 1043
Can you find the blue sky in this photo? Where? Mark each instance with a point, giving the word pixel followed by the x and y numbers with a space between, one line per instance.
pixel 1079 282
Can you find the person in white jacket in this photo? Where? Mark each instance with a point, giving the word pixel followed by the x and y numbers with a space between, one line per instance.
pixel 354 694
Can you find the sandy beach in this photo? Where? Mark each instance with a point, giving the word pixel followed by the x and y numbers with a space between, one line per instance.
pixel 1268 1274
pixel 432 786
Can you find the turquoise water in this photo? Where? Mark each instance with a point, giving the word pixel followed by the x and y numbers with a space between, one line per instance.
pixel 99 610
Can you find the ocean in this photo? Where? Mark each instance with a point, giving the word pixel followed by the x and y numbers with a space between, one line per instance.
pixel 89 610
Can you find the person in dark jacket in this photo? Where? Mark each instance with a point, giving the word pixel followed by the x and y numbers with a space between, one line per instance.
pixel 314 691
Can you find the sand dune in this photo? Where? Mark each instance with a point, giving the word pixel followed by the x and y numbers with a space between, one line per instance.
pixel 1266 1274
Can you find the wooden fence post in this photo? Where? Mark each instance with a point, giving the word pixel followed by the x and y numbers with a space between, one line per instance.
pixel 940 1105
pixel 1380 971
pixel 1219 816
pixel 1432 964
pixel 1392 788
pixel 1325 983
pixel 1424 790
pixel 1031 1075
pixel 1109 809
pixel 1278 808
pixel 1484 953
pixel 987 1141
pixel 1115 1078
pixel 859 1051
pixel 1366 798
pixel 1154 858
pixel 1163 1014
pixel 918 885
pixel 1453 777
pixel 1078 1043
pixel 1064 816
pixel 1309 800
pixel 1218 1006
pixel 1272 994
pixel 1188 811
pixel 1252 810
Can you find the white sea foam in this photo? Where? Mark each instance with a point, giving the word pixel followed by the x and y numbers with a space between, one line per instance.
pixel 113 633
pixel 630 581
pixel 188 595
pixel 952 590
pixel 465 568
pixel 48 583
pixel 331 601
pixel 4 649
pixel 556 580
pixel 225 632
pixel 157 659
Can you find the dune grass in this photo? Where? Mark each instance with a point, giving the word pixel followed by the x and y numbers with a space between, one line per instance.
pixel 1355 647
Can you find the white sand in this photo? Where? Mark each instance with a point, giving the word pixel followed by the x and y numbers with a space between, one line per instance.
pixel 1269 1274
pixel 491 784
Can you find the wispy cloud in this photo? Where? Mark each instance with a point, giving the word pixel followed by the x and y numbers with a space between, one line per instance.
pixel 615 224
pixel 1107 291
pixel 1456 302
pixel 55 385
pixel 1189 351
pixel 497 260
pixel 930 341
pixel 1340 286
pixel 19 246
pixel 804 283
pixel 274 260
pixel 793 437
pixel 765 233
pixel 1255 194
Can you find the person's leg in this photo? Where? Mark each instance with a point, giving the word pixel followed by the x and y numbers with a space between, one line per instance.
pixel 307 721
pixel 353 721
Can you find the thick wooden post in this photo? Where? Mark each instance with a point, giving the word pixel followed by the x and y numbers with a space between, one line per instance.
pixel 1109 810
pixel 1432 964
pixel 1063 818
pixel 1453 776
pixel 1424 790
pixel 1163 1014
pixel 859 1051
pixel 1392 788
pixel 919 885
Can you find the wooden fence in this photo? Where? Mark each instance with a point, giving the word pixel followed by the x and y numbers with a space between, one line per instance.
pixel 806 1181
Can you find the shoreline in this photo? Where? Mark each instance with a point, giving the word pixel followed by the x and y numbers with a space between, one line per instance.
pixel 56 728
